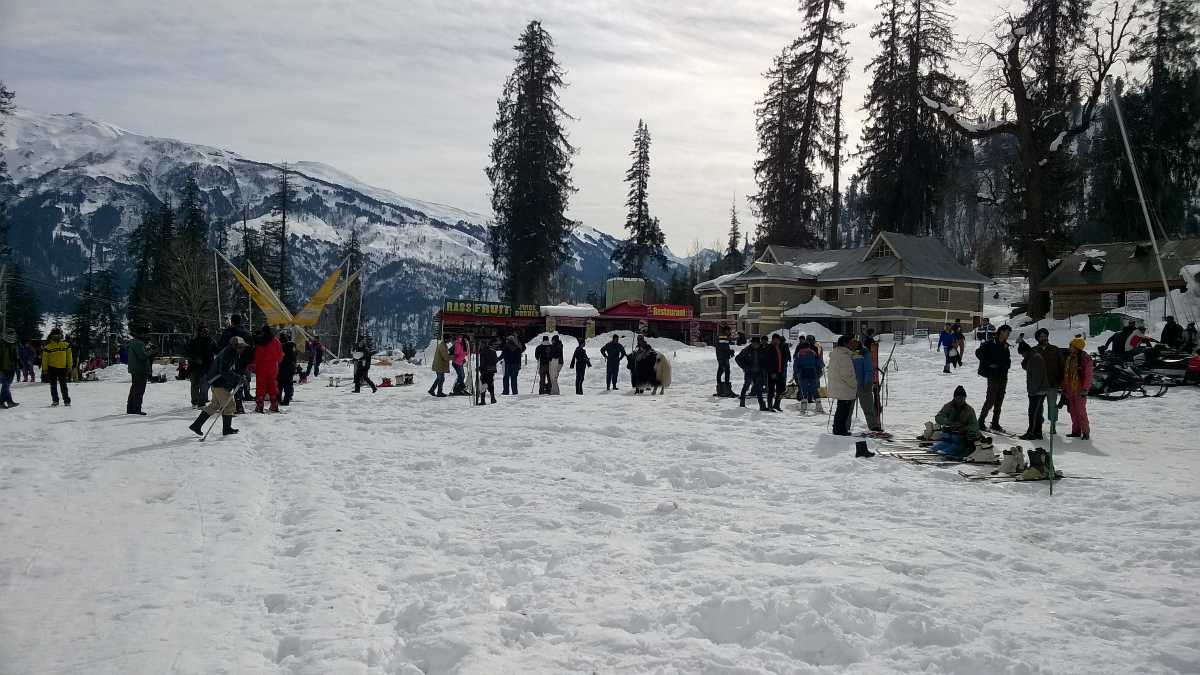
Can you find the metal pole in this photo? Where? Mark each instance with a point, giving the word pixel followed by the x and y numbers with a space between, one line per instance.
pixel 362 290
pixel 217 283
pixel 1137 182
pixel 342 327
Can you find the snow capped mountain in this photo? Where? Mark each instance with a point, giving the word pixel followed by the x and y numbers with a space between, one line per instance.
pixel 83 184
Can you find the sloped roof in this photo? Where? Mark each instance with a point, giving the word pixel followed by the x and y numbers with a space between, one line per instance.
pixel 714 284
pixel 1124 262
pixel 814 308
pixel 923 257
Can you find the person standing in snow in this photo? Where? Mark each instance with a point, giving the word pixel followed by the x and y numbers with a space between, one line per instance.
pixel 487 371
pixel 462 351
pixel 580 362
pixel 28 358
pixel 994 362
pixel 363 353
pixel 864 374
pixel 1172 334
pixel 235 329
pixel 843 384
pixel 287 370
pixel 57 360
pixel 512 351
pixel 224 377
pixel 614 355
pixel 10 365
pixel 748 360
pixel 807 367
pixel 316 354
pixel 724 354
pixel 775 360
pixel 1077 381
pixel 201 351
pixel 948 343
pixel 544 354
pixel 141 367
pixel 267 355
pixel 556 363
pixel 441 366
pixel 960 344
pixel 1035 387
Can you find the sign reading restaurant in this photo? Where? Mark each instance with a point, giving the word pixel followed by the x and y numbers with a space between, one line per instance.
pixel 484 308
pixel 670 311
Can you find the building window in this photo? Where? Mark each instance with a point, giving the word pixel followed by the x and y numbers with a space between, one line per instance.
pixel 755 294
pixel 944 296
pixel 887 293
pixel 829 295
pixel 885 326
pixel 753 329
pixel 712 302
pixel 739 299
pixel 849 291
pixel 882 251
pixel 866 290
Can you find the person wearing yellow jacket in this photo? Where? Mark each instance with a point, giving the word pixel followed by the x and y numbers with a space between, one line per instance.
pixel 57 361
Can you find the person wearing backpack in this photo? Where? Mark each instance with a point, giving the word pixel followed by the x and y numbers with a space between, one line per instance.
pixel 749 361
pixel 994 363
pixel 807 366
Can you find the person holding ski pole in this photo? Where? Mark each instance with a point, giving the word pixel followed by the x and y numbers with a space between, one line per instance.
pixel 224 377
pixel 614 355
pixel 864 373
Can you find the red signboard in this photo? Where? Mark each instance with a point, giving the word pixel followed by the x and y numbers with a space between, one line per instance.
pixel 670 312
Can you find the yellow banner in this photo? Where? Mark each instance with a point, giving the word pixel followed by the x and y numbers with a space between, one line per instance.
pixel 324 295
pixel 271 310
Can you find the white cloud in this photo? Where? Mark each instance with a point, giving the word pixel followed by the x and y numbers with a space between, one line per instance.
pixel 402 94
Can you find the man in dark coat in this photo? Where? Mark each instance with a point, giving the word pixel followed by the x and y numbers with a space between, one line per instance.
pixel 580 362
pixel 488 362
pixel 245 356
pixel 287 369
pixel 1036 387
pixel 614 355
pixel 748 361
pixel 141 366
pixel 224 376
pixel 201 351
pixel 544 354
pixel 775 361
pixel 1172 334
pixel 724 354
pixel 994 362
pixel 512 351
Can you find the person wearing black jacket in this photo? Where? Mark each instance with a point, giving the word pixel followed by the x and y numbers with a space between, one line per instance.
pixel 224 376
pixel 287 370
pixel 487 370
pixel 774 361
pixel 580 362
pixel 724 354
pixel 201 352
pixel 234 329
pixel 512 351
pixel 1172 334
pixel 544 354
pixel 994 362
pixel 1116 343
pixel 614 355
pixel 748 361
pixel 363 351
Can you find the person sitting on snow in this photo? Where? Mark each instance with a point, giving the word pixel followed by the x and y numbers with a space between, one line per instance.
pixel 959 426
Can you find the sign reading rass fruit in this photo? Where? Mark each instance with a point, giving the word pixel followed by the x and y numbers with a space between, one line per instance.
pixel 483 308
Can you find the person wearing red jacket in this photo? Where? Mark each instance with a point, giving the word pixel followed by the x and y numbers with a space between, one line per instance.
pixel 268 352
pixel 1077 380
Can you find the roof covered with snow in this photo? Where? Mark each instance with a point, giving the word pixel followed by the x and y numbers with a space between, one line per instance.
pixel 583 311
pixel 814 308
pixel 1124 263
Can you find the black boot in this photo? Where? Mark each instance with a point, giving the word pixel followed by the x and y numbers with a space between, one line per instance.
pixel 860 450
pixel 198 426
pixel 227 425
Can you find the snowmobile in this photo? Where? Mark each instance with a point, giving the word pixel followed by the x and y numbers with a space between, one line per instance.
pixel 1114 379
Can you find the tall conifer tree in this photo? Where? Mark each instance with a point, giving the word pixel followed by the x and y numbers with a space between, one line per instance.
pixel 646 241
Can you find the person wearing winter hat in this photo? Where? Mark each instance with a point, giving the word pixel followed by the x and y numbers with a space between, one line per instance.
pixel 1077 380
pixel 57 359
pixel 959 424
pixel 224 376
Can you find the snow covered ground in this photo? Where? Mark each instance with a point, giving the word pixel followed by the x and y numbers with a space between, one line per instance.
pixel 397 533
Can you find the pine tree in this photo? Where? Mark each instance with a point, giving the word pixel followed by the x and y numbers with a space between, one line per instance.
pixel 734 260
pixel 906 149
pixel 23 313
pixel 1052 65
pixel 6 108
pixel 193 224
pixel 646 240
pixel 530 172
pixel 82 320
pixel 143 250
pixel 793 119
pixel 277 266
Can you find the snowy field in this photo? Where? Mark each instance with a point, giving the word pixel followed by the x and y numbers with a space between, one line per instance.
pixel 609 533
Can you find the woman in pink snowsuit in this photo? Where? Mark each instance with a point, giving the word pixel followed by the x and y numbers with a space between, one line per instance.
pixel 462 350
pixel 1077 380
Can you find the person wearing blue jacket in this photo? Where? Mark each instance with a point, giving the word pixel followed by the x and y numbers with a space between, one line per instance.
pixel 948 342
pixel 807 366
pixel 864 373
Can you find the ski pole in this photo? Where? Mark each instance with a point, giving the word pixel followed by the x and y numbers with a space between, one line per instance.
pixel 213 423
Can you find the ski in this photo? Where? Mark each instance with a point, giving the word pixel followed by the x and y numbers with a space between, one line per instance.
pixel 1015 478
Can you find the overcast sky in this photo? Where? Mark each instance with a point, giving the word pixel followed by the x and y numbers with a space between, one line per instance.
pixel 402 93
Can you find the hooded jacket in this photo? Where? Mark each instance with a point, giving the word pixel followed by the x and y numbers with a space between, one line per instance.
pixel 513 350
pixel 226 372
pixel 748 359
pixel 994 359
pixel 57 354
pixel 843 384
pixel 267 355
pixel 201 352
pixel 488 359
pixel 441 358
pixel 960 418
